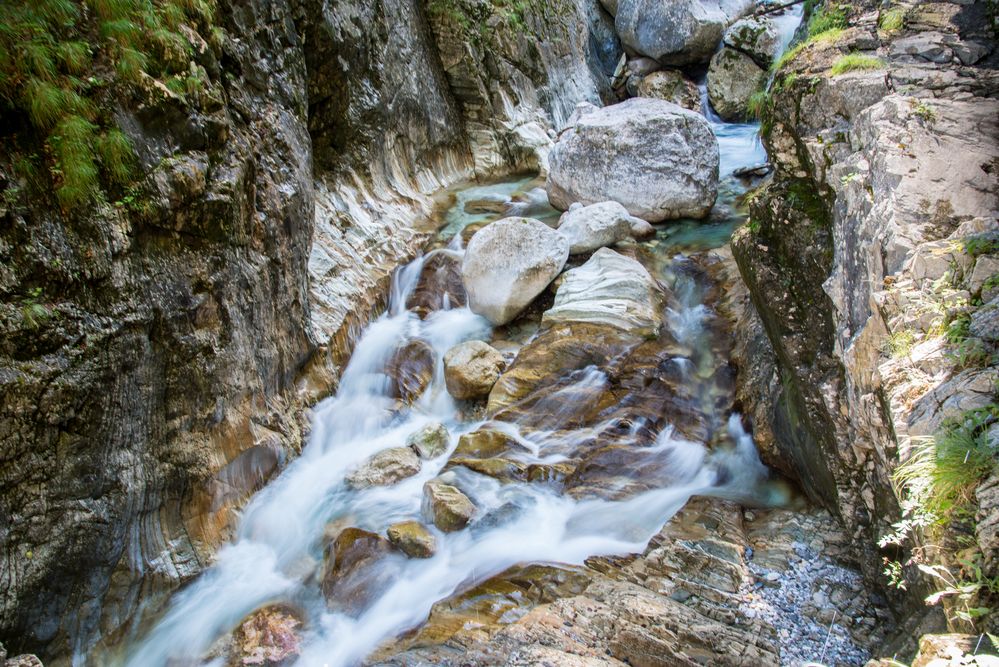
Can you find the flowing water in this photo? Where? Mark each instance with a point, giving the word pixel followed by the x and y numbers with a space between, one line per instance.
pixel 278 552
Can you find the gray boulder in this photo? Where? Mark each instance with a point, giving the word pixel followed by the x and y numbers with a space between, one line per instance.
pixel 590 227
pixel 385 468
pixel 678 32
pixel 657 159
pixel 733 78
pixel 757 37
pixel 508 263
pixel 670 85
pixel 430 441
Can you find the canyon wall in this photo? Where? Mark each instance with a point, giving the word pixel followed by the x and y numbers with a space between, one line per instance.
pixel 159 352
pixel 858 255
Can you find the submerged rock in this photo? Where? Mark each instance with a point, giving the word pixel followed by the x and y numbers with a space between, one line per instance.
pixel 413 539
pixel 269 636
pixel 385 468
pixel 733 78
pixel 411 369
pixel 430 441
pixel 657 159
pixel 590 227
pixel 671 85
pixel 609 289
pixel 679 32
pixel 355 570
pixel 508 263
pixel 471 369
pixel 446 506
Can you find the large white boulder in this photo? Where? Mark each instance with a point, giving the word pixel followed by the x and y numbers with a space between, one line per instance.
pixel 508 263
pixel 590 227
pixel 676 32
pixel 609 289
pixel 657 159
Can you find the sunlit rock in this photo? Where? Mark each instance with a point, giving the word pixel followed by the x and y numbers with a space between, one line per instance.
pixel 510 262
pixel 446 506
pixel 385 468
pixel 657 159
pixel 269 636
pixel 590 227
pixel 471 369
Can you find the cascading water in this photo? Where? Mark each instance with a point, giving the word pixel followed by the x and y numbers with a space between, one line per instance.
pixel 279 545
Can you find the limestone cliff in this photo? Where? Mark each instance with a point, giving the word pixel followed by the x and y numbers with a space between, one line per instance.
pixel 157 352
pixel 859 254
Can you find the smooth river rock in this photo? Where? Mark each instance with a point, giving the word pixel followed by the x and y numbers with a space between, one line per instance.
pixel 678 32
pixel 657 159
pixel 508 263
pixel 413 539
pixel 609 289
pixel 430 441
pixel 590 227
pixel 446 506
pixel 471 369
pixel 385 468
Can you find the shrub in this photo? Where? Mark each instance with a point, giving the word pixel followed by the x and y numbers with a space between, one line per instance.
pixel 55 58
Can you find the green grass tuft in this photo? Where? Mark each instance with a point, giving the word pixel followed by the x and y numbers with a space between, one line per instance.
pixel 117 155
pixel 892 20
pixel 855 62
pixel 830 17
pixel 757 104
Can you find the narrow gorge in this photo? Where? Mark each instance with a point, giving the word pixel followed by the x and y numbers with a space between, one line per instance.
pixel 575 333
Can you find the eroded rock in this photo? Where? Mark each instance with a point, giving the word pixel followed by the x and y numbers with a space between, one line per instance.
pixel 413 539
pixel 446 506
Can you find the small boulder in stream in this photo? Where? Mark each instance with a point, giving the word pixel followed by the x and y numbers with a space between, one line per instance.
pixel 657 159
pixel 268 636
pixel 590 227
pixel 510 262
pixel 413 539
pixel 446 506
pixel 430 441
pixel 385 468
pixel 411 369
pixel 357 565
pixel 471 369
pixel 733 78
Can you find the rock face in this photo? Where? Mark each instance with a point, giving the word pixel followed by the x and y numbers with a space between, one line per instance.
pixel 670 85
pixel 446 506
pixel 385 468
pixel 176 337
pixel 854 250
pixel 471 369
pixel 683 32
pixel 508 263
pixel 733 77
pixel 609 289
pixel 658 160
pixel 590 227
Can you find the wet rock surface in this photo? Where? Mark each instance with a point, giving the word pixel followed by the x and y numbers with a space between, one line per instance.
pixel 471 369
pixel 446 506
pixel 386 467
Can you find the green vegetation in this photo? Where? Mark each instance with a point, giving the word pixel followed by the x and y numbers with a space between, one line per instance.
pixel 829 17
pixel 757 103
pixel 924 111
pixel 476 16
pixel 892 20
pixel 985 244
pixel 900 343
pixel 937 483
pixel 853 62
pixel 63 63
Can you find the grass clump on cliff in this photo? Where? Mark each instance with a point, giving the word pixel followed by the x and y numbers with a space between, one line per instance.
pixel 892 20
pixel 937 482
pixel 830 17
pixel 63 64
pixel 855 62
